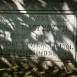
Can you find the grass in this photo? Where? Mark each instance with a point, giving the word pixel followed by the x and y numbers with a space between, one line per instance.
pixel 35 72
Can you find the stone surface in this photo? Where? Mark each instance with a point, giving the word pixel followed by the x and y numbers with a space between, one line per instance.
pixel 46 34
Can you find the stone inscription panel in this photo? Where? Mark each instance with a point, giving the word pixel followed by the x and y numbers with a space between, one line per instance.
pixel 50 36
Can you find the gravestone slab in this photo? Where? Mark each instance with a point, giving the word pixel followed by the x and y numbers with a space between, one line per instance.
pixel 38 35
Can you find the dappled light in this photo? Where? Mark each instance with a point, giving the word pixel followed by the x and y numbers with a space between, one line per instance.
pixel 37 36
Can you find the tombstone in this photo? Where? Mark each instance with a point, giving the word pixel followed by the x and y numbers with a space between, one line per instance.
pixel 38 33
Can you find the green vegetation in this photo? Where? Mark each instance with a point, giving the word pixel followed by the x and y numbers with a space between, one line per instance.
pixel 35 72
